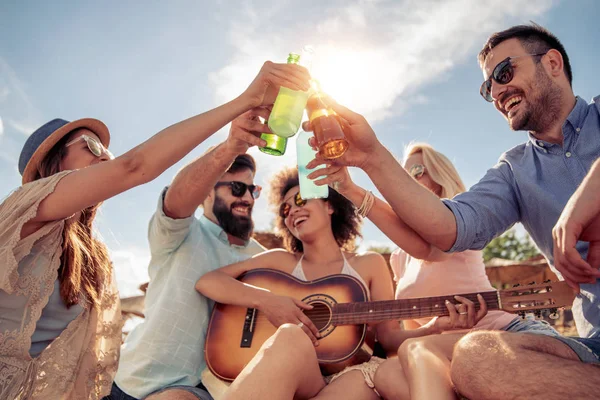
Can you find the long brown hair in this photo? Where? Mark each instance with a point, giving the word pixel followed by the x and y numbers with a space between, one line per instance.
pixel 84 263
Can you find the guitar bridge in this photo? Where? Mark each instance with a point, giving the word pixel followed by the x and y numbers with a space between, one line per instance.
pixel 248 332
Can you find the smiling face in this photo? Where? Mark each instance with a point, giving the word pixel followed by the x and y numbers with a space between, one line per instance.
pixel 234 214
pixel 531 100
pixel 309 219
pixel 413 163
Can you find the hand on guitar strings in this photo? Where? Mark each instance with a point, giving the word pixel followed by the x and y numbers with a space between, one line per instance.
pixel 462 315
pixel 281 310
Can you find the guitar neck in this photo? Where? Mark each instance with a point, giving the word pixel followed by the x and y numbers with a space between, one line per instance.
pixel 378 311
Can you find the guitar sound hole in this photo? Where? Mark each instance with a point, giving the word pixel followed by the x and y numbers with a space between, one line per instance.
pixel 320 315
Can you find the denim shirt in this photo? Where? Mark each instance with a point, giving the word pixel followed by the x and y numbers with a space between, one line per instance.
pixel 531 184
pixel 168 347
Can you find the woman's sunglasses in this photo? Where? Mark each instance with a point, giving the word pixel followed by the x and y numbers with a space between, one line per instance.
pixel 95 147
pixel 416 171
pixel 503 73
pixel 238 189
pixel 285 208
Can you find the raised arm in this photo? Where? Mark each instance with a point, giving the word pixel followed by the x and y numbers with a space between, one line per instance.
pixel 193 183
pixel 481 214
pixel 434 222
pixel 222 286
pixel 382 215
pixel 580 220
pixel 92 185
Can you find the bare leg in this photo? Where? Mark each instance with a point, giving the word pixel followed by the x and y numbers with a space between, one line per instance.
pixel 285 367
pixel 504 365
pixel 426 364
pixel 172 394
pixel 390 381
pixel 349 386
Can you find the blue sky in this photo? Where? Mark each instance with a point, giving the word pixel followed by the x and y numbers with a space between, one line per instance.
pixel 408 66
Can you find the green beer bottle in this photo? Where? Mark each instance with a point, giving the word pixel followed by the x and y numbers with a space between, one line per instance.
pixel 288 108
pixel 276 145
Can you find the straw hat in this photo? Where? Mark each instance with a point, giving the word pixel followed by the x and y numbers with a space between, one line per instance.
pixel 45 137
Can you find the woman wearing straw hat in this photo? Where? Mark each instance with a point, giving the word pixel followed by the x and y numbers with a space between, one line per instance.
pixel 60 325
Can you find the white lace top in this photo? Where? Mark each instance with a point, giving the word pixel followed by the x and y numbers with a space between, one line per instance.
pixel 78 364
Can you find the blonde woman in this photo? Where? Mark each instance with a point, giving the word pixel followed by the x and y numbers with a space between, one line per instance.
pixel 422 270
pixel 60 325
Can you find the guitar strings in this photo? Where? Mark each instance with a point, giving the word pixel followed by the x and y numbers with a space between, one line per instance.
pixel 346 316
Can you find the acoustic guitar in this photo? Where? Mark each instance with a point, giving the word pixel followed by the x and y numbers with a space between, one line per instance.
pixel 341 312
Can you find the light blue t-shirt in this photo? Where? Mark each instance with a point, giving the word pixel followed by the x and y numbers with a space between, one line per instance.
pixel 168 347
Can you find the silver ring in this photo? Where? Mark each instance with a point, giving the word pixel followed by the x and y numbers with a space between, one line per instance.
pixel 335 185
pixel 462 313
pixel 301 324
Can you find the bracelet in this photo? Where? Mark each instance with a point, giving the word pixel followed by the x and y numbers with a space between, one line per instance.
pixel 366 204
pixel 369 205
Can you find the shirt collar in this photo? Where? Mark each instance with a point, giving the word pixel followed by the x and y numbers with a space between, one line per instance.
pixel 218 232
pixel 575 118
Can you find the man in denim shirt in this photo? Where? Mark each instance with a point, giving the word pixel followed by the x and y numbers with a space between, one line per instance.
pixel 163 357
pixel 528 79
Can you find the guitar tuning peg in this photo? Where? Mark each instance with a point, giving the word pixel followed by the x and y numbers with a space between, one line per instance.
pixel 553 313
pixel 516 284
pixel 521 314
pixel 548 281
pixel 538 314
pixel 531 283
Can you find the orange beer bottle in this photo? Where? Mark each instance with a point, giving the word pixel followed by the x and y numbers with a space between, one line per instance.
pixel 326 126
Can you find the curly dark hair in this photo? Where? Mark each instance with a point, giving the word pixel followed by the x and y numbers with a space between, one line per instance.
pixel 345 224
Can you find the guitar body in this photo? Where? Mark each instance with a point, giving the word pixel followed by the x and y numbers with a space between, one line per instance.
pixel 235 334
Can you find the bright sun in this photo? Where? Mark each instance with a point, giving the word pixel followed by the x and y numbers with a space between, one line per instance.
pixel 344 74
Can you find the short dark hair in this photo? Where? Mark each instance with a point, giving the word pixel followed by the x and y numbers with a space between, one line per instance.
pixel 345 224
pixel 534 38
pixel 243 161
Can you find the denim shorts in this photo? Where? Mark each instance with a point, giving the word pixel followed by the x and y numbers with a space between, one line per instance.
pixel 199 391
pixel 587 349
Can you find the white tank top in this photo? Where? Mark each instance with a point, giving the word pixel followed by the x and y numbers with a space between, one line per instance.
pixel 347 269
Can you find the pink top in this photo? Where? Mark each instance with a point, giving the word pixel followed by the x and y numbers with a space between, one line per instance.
pixel 462 273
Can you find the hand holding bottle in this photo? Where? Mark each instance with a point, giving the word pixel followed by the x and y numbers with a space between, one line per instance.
pixel 363 143
pixel 264 88
pixel 246 129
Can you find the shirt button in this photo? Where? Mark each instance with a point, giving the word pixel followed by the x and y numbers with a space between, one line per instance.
pixel 578 129
pixel 541 143
pixel 568 154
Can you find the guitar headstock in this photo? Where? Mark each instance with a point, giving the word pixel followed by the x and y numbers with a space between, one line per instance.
pixel 536 297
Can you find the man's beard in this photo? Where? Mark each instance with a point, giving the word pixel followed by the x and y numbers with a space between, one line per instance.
pixel 542 105
pixel 237 226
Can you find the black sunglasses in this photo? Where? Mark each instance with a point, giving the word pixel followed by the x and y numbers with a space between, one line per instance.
pixel 238 189
pixel 285 208
pixel 503 73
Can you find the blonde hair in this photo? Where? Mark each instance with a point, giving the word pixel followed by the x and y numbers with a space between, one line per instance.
pixel 439 167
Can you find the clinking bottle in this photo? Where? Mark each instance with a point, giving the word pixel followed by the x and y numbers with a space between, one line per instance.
pixel 305 154
pixel 326 125
pixel 288 109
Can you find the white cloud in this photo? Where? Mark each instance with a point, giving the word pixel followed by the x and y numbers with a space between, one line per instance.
pixel 373 56
pixel 1 127
pixel 24 127
pixel 131 269
pixel 15 103
pixel 371 53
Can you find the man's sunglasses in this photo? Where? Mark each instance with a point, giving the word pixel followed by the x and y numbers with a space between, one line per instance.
pixel 416 171
pixel 94 145
pixel 238 189
pixel 285 208
pixel 503 73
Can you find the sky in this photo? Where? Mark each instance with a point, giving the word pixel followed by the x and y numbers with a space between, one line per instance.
pixel 408 66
